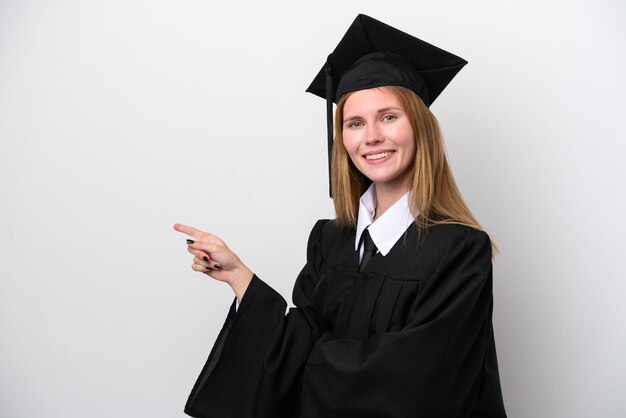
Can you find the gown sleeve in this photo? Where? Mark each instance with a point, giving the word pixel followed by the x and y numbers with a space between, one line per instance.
pixel 255 366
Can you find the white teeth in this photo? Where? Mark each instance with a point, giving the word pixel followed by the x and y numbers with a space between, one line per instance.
pixel 378 156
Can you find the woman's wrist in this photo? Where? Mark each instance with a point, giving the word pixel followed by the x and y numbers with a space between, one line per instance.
pixel 241 280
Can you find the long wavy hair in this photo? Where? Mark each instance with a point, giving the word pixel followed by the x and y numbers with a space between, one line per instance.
pixel 435 197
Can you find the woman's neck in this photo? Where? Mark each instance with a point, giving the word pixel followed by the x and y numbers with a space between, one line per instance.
pixel 386 197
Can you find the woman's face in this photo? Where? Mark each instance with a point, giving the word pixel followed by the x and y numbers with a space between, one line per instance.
pixel 378 137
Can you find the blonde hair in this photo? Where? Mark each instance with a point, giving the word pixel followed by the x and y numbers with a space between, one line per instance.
pixel 435 197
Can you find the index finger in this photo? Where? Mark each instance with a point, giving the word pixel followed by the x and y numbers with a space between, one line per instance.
pixel 190 230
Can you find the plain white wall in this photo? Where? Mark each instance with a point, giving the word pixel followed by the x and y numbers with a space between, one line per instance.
pixel 120 118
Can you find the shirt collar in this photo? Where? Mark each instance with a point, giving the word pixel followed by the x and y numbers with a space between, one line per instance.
pixel 389 227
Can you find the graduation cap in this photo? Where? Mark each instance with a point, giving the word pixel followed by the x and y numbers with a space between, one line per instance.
pixel 374 54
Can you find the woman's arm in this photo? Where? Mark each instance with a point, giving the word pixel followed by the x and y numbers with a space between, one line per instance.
pixel 255 366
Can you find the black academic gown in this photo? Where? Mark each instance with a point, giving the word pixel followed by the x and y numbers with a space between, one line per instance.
pixel 410 336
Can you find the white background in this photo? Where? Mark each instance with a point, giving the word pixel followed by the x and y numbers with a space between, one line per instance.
pixel 119 118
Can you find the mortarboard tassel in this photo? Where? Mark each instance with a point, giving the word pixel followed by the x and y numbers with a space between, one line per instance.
pixel 329 120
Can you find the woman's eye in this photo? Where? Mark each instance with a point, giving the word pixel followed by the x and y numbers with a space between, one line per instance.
pixel 354 124
pixel 389 118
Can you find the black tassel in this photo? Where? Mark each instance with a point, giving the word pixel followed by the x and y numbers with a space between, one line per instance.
pixel 329 121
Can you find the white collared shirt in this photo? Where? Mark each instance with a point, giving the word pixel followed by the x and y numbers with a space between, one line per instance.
pixel 388 228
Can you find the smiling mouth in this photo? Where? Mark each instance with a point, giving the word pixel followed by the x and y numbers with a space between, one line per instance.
pixel 379 155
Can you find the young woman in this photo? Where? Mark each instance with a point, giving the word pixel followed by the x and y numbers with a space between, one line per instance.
pixel 393 309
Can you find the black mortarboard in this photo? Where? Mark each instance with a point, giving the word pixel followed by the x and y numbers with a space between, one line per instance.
pixel 374 54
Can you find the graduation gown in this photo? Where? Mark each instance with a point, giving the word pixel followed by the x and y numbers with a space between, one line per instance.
pixel 410 336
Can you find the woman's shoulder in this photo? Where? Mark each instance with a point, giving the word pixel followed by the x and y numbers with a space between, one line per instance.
pixel 329 236
pixel 329 229
pixel 456 231
pixel 458 238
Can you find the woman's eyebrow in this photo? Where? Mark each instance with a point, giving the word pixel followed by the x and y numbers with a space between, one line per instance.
pixel 379 111
pixel 388 108
pixel 351 117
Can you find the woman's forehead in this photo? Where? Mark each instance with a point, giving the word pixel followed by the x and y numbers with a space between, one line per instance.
pixel 371 100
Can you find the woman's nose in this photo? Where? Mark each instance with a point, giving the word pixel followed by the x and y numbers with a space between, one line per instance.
pixel 374 134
